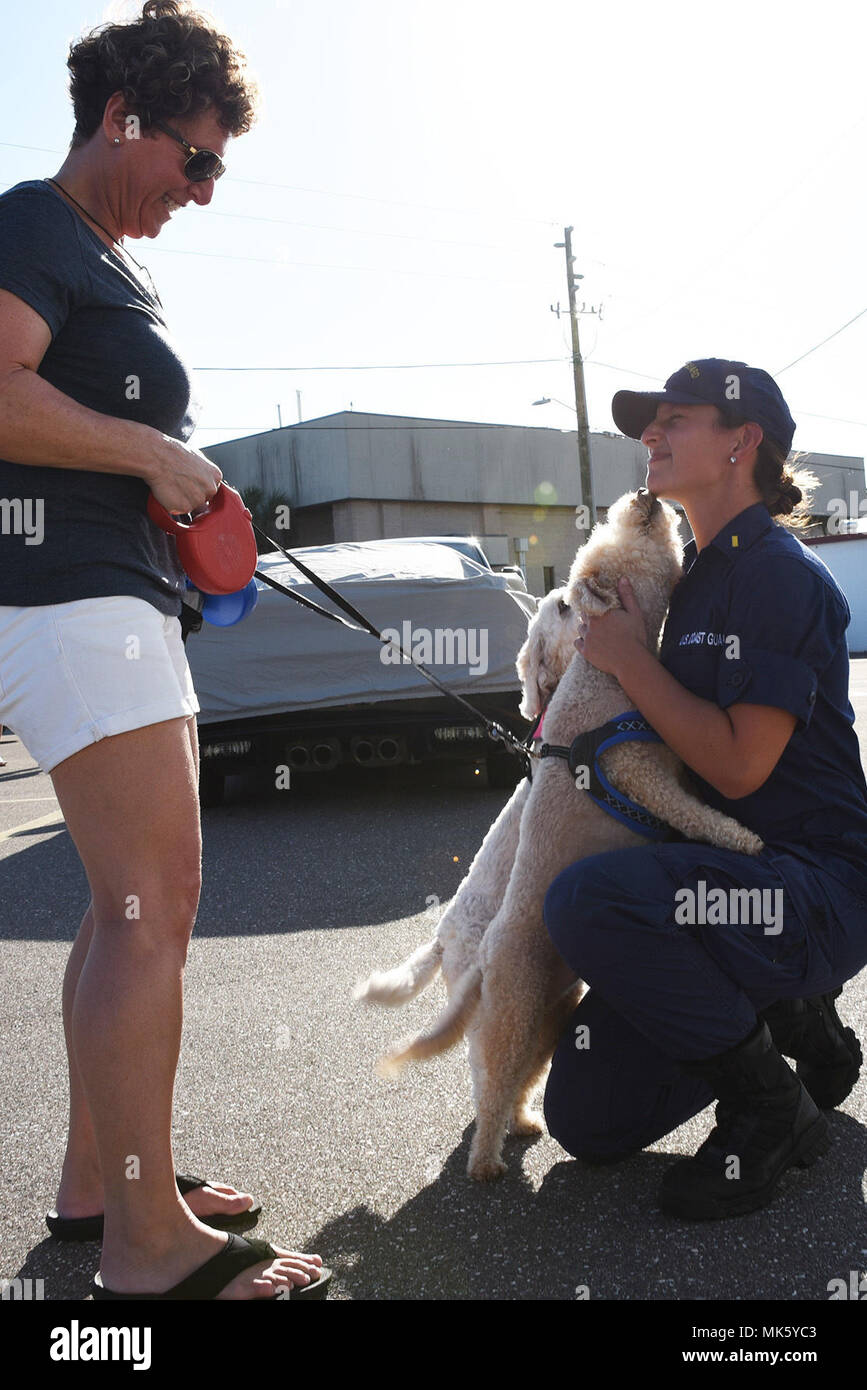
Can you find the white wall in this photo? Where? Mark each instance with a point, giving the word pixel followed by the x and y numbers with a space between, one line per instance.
pixel 846 558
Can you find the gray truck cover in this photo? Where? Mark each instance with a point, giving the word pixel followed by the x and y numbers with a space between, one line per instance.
pixel 462 621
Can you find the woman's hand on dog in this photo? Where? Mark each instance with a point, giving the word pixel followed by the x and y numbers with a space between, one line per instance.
pixel 603 640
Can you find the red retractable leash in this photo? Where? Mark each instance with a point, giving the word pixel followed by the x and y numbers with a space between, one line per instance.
pixel 217 548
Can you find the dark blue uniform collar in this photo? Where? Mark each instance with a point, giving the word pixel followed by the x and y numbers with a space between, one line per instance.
pixel 736 536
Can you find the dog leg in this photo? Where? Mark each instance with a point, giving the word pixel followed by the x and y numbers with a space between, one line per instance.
pixel 649 774
pixel 480 895
pixel 508 1048
pixel 526 1121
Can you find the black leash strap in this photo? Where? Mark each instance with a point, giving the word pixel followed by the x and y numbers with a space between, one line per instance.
pixel 495 731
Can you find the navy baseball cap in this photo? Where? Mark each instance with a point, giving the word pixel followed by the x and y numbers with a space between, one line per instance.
pixel 711 381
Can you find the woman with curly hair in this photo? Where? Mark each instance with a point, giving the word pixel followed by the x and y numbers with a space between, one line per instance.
pixel 96 406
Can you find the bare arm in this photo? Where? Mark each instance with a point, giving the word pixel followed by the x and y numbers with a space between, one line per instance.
pixel 734 749
pixel 41 426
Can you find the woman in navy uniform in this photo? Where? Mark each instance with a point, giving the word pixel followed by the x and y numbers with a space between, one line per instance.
pixel 698 988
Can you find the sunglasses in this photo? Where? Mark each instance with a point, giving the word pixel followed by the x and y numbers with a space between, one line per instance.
pixel 201 164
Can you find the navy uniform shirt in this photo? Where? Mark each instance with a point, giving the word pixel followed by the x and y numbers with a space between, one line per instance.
pixel 758 617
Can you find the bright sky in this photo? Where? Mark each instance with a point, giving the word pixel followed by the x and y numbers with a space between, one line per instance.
pixel 414 161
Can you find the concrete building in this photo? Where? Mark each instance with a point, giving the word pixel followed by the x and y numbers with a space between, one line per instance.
pixel 354 476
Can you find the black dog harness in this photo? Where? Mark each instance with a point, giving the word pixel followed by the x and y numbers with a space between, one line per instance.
pixel 584 752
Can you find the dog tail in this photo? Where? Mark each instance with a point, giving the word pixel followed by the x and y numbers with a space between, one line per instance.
pixel 405 981
pixel 448 1029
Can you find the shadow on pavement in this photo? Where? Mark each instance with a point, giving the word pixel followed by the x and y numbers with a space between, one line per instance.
pixel 585 1233
pixel 598 1234
pixel 271 864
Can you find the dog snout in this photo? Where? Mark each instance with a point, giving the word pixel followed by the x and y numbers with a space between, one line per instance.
pixel 647 502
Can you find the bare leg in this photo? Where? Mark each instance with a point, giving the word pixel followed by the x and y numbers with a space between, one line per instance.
pixel 130 805
pixel 80 1190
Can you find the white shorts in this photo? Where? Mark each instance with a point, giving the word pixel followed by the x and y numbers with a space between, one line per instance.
pixel 73 673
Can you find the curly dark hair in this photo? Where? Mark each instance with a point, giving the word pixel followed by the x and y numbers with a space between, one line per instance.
pixel 785 489
pixel 172 62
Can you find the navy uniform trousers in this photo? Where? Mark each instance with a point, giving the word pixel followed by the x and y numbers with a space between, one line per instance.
pixel 665 989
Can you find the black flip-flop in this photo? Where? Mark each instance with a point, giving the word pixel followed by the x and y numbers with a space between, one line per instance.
pixel 91 1227
pixel 206 1282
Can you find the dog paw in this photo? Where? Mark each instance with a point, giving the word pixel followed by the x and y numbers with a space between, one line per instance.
pixel 750 843
pixel 526 1124
pixel 485 1169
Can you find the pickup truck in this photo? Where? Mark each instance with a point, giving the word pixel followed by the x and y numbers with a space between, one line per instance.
pixel 285 690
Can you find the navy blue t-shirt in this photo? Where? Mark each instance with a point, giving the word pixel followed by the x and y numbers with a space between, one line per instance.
pixel 758 617
pixel 110 350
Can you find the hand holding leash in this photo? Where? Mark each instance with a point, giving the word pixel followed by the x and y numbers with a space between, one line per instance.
pixel 181 478
pixel 217 548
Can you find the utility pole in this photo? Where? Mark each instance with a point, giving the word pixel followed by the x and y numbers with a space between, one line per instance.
pixel 578 373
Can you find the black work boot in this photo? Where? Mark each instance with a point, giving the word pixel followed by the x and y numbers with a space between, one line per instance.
pixel 766 1122
pixel 828 1055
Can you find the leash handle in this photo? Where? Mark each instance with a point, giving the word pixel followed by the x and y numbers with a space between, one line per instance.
pixel 170 523
pixel 217 548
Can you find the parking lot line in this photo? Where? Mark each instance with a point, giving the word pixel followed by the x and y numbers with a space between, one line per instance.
pixel 13 800
pixel 55 818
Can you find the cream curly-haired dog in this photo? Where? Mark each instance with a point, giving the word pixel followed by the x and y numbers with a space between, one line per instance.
pixel 509 990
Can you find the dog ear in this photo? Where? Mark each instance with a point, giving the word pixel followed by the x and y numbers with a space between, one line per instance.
pixel 595 595
pixel 537 682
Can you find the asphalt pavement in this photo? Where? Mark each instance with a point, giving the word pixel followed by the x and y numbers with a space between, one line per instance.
pixel 304 892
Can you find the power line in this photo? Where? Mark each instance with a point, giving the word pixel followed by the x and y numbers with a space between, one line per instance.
pixel 395 202
pixel 328 265
pixel 835 419
pixel 390 367
pixel 627 371
pixel 518 362
pixel 836 332
pixel 369 231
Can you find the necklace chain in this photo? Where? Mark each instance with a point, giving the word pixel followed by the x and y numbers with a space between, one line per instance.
pixel 108 233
